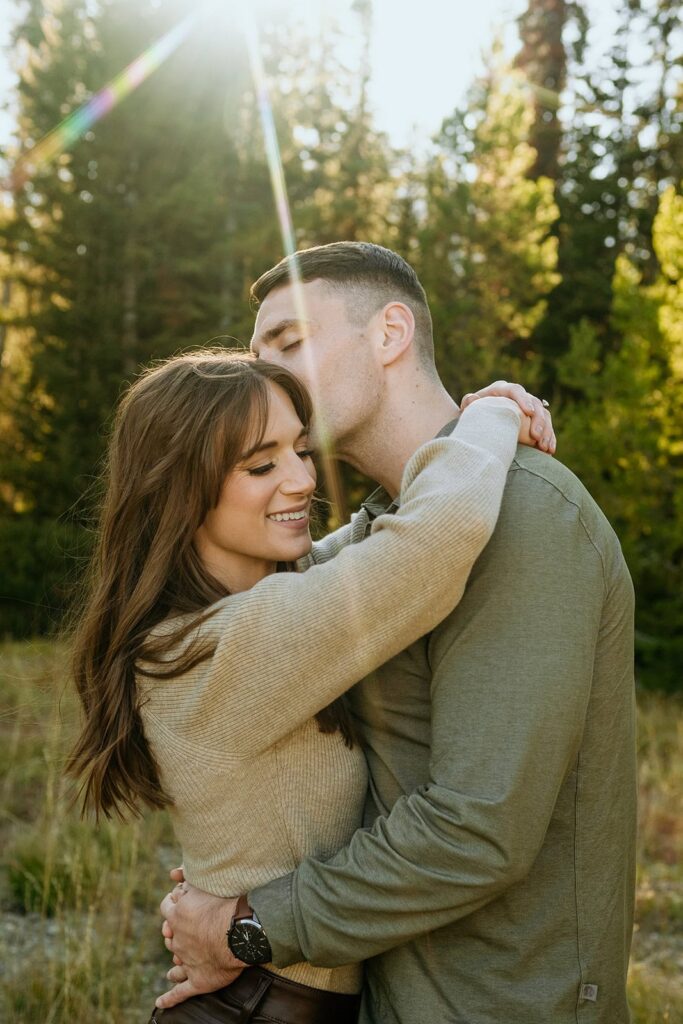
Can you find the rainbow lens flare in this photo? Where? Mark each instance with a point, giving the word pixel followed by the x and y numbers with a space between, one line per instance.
pixel 76 124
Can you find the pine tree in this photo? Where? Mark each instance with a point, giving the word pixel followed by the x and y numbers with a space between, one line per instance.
pixel 487 254
pixel 120 253
pixel 621 144
pixel 124 247
pixel 625 436
pixel 338 167
pixel 143 237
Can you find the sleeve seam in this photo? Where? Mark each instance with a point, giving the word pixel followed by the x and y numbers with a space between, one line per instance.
pixel 517 467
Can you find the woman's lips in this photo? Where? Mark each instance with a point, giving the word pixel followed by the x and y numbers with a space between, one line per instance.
pixel 300 522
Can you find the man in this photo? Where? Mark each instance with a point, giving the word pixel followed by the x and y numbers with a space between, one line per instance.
pixel 494 882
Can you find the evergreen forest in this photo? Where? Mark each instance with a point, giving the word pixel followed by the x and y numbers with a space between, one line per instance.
pixel 545 220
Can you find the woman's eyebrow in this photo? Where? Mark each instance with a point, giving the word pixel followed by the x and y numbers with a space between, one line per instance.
pixel 265 445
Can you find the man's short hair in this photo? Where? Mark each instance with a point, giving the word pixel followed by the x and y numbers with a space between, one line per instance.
pixel 369 276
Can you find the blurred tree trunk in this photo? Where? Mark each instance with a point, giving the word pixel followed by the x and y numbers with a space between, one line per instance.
pixel 543 60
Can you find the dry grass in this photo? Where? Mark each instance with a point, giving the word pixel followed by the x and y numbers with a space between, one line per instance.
pixel 656 989
pixel 79 939
pixel 80 934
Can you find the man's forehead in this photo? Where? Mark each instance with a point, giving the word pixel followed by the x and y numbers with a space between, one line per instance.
pixel 307 305
pixel 295 300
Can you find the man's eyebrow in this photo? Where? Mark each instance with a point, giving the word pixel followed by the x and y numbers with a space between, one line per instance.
pixel 283 325
pixel 266 445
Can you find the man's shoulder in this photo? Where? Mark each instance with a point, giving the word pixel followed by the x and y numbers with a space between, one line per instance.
pixel 546 503
pixel 534 475
pixel 532 468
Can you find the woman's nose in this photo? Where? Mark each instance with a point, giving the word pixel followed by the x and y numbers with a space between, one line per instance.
pixel 300 478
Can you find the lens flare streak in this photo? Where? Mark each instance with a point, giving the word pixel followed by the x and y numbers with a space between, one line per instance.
pixel 272 147
pixel 284 215
pixel 74 126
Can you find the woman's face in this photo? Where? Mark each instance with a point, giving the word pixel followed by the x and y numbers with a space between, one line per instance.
pixel 262 515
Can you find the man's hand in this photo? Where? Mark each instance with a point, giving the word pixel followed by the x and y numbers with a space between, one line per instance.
pixel 540 428
pixel 194 930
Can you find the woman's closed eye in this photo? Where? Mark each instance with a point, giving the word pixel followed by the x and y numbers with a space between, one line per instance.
pixel 261 470
pixel 303 453
pixel 291 345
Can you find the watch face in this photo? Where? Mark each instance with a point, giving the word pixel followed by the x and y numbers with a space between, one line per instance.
pixel 249 943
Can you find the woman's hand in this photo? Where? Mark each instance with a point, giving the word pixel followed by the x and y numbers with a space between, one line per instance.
pixel 537 425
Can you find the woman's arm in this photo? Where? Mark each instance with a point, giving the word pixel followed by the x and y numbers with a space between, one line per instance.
pixel 540 434
pixel 296 641
pixel 329 546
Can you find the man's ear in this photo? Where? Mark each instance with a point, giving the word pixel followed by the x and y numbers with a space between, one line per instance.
pixel 397 323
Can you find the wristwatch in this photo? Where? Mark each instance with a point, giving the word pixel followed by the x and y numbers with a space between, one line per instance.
pixel 246 937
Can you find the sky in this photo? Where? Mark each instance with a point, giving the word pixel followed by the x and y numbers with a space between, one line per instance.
pixel 423 63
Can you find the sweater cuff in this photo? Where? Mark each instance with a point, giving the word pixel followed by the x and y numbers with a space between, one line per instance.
pixel 492 424
pixel 272 903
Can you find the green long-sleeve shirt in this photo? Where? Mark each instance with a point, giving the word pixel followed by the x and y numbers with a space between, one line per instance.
pixel 496 885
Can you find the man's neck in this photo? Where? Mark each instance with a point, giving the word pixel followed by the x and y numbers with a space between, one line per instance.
pixel 405 421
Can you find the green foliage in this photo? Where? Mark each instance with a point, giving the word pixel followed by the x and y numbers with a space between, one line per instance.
pixel 623 435
pixel 41 561
pixel 544 223
pixel 36 884
pixel 656 986
pixel 121 251
pixel 621 143
pixel 487 254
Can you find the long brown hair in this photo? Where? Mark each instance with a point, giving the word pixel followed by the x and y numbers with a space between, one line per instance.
pixel 180 428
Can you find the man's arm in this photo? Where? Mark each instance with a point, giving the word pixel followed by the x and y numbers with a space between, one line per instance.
pixel 511 681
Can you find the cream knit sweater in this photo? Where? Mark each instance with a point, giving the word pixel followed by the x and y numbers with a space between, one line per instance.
pixel 256 787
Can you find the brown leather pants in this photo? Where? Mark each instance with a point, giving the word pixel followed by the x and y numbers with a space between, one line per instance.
pixel 261 997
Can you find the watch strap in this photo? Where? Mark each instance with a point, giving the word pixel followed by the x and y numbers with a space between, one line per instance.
pixel 242 910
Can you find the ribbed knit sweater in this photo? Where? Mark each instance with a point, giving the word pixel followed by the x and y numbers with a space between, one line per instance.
pixel 256 787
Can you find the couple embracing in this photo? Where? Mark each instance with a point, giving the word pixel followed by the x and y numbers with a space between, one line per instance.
pixel 400 762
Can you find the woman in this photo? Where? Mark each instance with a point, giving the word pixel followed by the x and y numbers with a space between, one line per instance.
pixel 211 676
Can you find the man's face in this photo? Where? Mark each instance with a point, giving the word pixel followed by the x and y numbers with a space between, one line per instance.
pixel 314 339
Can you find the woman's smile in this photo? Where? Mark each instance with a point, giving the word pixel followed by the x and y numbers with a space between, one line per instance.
pixel 292 518
pixel 263 514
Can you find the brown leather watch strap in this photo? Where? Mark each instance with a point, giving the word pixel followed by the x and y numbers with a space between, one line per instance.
pixel 242 910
